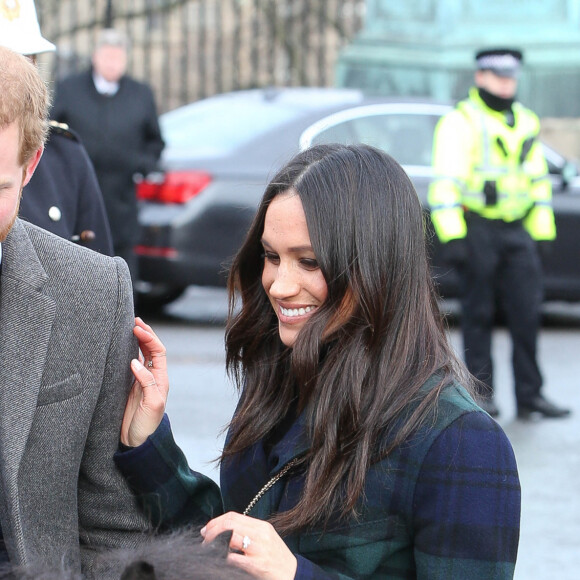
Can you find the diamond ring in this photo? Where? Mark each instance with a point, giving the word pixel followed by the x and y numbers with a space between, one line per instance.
pixel 246 543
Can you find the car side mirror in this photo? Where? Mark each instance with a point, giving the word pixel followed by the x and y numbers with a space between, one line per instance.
pixel 569 172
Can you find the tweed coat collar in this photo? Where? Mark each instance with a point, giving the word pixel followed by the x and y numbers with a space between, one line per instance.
pixel 26 317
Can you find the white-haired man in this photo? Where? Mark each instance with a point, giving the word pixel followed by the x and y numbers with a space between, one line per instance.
pixel 116 118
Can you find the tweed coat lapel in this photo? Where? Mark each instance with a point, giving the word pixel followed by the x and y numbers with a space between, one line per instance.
pixel 26 316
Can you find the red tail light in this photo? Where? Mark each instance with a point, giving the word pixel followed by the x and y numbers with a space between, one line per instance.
pixel 155 252
pixel 172 187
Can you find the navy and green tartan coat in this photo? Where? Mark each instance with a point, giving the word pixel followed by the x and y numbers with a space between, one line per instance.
pixel 445 505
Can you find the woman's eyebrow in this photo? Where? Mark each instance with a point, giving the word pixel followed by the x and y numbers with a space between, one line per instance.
pixel 294 249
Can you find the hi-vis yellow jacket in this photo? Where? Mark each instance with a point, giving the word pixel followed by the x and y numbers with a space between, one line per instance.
pixel 476 152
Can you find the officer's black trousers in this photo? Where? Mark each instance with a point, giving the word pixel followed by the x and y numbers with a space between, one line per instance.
pixel 504 268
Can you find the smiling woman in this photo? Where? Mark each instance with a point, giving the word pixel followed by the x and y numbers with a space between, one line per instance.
pixel 356 450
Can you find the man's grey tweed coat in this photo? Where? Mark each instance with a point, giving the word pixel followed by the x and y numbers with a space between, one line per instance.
pixel 66 320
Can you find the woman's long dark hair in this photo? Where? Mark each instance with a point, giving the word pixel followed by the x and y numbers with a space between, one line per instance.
pixel 358 365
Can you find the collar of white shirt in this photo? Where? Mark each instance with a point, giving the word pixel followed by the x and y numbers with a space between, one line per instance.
pixel 104 86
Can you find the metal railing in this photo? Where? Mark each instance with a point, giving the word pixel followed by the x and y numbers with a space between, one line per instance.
pixel 190 49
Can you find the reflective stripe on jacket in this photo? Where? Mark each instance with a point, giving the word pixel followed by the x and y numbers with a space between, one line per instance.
pixel 483 165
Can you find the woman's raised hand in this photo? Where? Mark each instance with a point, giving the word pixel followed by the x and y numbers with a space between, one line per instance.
pixel 146 403
pixel 257 547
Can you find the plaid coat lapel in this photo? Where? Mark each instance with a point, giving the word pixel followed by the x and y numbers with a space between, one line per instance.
pixel 245 476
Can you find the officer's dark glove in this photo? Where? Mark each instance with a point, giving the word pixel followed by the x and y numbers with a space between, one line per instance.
pixel 455 252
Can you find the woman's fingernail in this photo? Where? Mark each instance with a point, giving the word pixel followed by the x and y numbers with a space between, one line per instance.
pixel 137 365
pixel 202 531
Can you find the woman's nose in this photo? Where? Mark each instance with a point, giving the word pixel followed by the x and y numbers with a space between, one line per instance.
pixel 286 282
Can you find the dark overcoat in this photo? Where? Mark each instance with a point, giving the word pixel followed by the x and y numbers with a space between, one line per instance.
pixel 122 137
pixel 63 195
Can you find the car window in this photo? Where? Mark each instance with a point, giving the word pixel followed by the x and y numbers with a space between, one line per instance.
pixel 340 133
pixel 407 137
pixel 218 126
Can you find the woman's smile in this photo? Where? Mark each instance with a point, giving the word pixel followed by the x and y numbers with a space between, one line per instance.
pixel 295 312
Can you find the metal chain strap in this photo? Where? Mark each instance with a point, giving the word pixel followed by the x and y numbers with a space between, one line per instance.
pixel 270 483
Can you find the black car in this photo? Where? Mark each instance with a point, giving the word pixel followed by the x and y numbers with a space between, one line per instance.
pixel 222 151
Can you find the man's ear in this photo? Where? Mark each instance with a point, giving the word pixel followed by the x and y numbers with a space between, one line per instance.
pixel 31 166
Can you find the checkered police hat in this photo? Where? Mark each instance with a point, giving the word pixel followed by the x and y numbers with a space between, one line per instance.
pixel 504 62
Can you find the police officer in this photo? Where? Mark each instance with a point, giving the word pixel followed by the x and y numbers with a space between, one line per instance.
pixel 63 196
pixel 490 203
